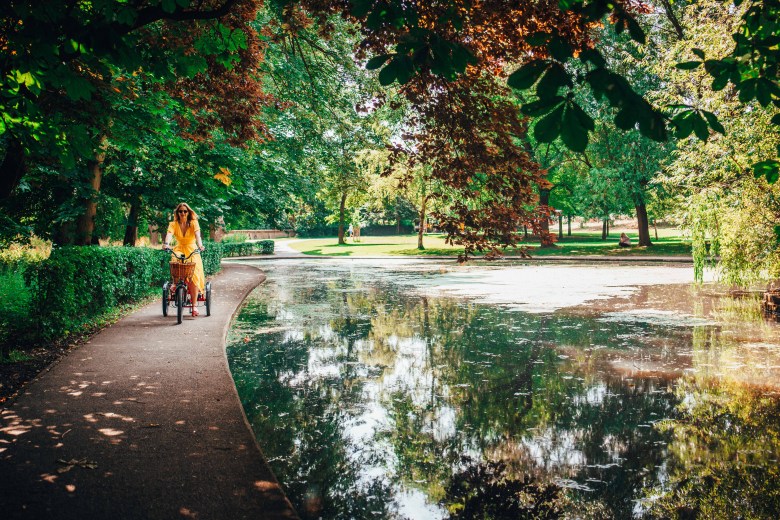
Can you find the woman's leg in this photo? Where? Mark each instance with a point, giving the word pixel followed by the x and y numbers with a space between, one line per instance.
pixel 193 295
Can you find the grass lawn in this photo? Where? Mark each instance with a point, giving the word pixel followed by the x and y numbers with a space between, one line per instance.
pixel 579 244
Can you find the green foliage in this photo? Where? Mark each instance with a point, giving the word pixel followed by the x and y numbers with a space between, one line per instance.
pixel 77 284
pixel 703 223
pixel 730 211
pixel 212 258
pixel 262 247
pixel 15 296
pixel 752 66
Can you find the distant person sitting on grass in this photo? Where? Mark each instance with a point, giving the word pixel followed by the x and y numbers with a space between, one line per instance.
pixel 624 240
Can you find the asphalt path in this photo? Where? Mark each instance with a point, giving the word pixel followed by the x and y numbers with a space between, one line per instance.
pixel 141 422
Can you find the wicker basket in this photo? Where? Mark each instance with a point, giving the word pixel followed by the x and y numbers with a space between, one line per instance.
pixel 182 271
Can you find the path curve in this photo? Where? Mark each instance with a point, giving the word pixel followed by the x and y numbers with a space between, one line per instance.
pixel 142 422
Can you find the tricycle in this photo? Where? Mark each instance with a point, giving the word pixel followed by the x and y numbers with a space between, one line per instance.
pixel 174 291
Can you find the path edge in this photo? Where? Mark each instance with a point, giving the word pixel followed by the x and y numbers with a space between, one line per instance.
pixel 237 398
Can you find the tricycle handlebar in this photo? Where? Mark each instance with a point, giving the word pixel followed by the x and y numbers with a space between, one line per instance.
pixel 181 256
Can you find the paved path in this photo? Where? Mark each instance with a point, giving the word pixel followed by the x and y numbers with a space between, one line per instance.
pixel 142 422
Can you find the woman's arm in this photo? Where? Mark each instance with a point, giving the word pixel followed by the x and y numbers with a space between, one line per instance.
pixel 198 240
pixel 168 238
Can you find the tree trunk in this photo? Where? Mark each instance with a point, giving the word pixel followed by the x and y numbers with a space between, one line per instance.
pixel 568 223
pixel 131 231
pixel 342 204
pixel 544 204
pixel 604 231
pixel 397 218
pixel 673 19
pixel 85 225
pixel 12 168
pixel 421 231
pixel 560 226
pixel 154 235
pixel 655 227
pixel 644 225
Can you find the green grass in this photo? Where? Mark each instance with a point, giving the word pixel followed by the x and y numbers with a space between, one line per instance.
pixel 16 356
pixel 579 244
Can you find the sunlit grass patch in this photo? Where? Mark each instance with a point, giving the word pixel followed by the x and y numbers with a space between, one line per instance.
pixel 579 244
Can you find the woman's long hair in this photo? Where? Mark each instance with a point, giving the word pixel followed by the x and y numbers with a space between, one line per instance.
pixel 191 215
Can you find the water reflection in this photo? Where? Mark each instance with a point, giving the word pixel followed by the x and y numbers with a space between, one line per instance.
pixel 373 399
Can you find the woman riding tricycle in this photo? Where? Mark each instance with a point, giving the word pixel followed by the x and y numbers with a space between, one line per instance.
pixel 186 264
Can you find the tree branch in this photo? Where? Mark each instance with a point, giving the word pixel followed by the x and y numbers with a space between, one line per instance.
pixel 153 14
pixel 673 19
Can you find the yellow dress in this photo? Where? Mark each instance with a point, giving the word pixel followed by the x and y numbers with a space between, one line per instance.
pixel 186 244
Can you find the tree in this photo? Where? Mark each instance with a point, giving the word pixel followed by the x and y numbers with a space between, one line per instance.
pixel 730 211
pixel 71 72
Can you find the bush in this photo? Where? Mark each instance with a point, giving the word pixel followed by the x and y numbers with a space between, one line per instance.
pixel 15 296
pixel 262 247
pixel 77 284
pixel 212 257
pixel 266 247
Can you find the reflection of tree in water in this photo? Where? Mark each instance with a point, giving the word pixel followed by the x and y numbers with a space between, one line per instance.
pixel 519 402
pixel 538 396
pixel 722 461
pixel 484 490
pixel 299 419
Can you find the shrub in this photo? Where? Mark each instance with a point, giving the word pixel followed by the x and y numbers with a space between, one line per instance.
pixel 262 247
pixel 266 247
pixel 77 284
pixel 212 257
pixel 16 307
pixel 68 291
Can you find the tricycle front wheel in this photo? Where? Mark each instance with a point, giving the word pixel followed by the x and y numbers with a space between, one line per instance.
pixel 208 298
pixel 166 294
pixel 181 300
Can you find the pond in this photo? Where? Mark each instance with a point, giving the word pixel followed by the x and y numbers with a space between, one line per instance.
pixel 411 389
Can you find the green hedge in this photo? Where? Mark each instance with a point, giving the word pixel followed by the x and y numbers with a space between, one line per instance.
pixel 211 258
pixel 77 284
pixel 262 247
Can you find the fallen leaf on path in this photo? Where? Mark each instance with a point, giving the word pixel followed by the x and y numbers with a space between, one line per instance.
pixel 70 464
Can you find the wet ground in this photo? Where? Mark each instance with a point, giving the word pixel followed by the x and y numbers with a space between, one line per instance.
pixel 403 389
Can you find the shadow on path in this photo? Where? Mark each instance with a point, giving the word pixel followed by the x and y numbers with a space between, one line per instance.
pixel 142 422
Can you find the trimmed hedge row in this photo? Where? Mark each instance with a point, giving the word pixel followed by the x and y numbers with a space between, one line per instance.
pixel 75 285
pixel 262 247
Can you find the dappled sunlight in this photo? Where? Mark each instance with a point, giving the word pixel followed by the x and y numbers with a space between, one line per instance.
pixel 188 513
pixel 266 486
pixel 110 432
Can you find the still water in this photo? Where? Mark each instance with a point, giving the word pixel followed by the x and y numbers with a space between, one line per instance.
pixel 403 389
